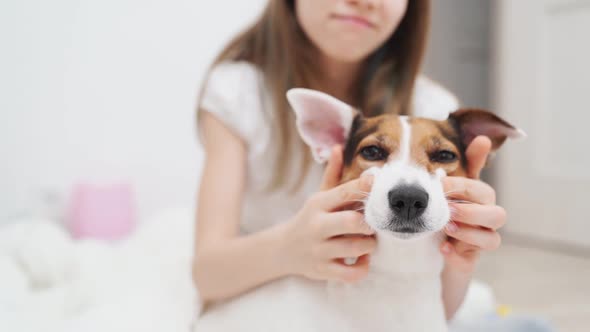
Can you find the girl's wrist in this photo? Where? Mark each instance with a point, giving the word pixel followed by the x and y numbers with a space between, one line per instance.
pixel 281 248
pixel 461 268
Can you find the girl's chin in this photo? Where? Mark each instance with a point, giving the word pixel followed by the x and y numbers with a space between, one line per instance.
pixel 347 57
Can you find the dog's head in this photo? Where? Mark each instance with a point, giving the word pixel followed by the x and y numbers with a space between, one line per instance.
pixel 407 156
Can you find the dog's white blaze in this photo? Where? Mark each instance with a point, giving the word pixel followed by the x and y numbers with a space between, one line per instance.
pixel 404 153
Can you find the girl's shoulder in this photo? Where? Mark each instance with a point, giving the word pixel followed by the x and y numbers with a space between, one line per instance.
pixel 232 92
pixel 432 100
pixel 228 83
pixel 232 73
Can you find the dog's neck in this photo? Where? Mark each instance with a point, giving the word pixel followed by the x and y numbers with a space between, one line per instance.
pixel 415 258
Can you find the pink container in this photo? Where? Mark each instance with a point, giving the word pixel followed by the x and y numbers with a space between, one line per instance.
pixel 101 211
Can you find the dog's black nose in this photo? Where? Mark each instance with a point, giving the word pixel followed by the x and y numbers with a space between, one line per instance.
pixel 408 202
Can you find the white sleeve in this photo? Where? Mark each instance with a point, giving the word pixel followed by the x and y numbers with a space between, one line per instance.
pixel 232 95
pixel 432 100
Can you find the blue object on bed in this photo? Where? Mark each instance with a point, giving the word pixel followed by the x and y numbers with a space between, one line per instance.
pixel 511 323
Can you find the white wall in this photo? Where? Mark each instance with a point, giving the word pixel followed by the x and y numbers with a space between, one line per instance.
pixel 92 89
pixel 459 51
pixel 95 89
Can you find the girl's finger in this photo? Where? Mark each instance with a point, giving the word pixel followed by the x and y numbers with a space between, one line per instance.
pixel 477 154
pixel 333 171
pixel 459 247
pixel 344 247
pixel 488 216
pixel 469 190
pixel 344 222
pixel 344 194
pixel 460 254
pixel 481 238
pixel 337 270
pixel 464 248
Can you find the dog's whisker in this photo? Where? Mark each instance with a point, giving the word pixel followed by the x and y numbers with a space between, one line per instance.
pixel 361 193
pixel 461 201
pixel 455 214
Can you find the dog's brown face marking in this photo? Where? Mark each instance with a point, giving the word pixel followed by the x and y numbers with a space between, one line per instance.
pixel 375 141
pixel 381 132
pixel 437 144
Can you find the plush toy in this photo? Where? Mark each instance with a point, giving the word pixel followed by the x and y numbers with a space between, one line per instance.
pixel 102 211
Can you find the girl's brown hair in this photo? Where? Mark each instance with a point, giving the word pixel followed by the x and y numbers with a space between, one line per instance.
pixel 279 48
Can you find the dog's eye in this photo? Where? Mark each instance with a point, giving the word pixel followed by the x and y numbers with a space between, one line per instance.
pixel 373 153
pixel 443 156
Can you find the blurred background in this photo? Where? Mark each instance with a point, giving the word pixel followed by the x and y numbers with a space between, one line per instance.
pixel 104 92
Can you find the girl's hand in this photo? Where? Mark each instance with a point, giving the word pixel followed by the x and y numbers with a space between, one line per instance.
pixel 475 215
pixel 322 233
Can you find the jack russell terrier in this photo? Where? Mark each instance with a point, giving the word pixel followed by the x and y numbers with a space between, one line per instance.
pixel 406 207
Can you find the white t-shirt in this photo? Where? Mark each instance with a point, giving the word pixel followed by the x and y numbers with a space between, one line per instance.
pixel 233 96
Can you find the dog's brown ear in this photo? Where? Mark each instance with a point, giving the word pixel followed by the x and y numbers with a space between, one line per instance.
pixel 471 123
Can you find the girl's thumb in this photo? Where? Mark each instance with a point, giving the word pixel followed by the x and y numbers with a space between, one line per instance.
pixel 333 171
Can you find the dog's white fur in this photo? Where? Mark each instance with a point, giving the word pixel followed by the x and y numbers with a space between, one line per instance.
pixel 402 170
pixel 402 291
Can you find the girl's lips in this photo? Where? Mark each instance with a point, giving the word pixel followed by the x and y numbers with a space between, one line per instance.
pixel 357 20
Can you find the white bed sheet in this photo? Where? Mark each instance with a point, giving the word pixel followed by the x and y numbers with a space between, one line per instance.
pixel 48 282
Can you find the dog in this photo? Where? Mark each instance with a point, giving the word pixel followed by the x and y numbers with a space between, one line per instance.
pixel 406 207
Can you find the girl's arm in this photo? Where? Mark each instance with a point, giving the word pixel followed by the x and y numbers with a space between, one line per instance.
pixel 454 287
pixel 473 228
pixel 227 264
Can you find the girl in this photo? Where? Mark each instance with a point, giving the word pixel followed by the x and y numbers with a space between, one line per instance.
pixel 265 210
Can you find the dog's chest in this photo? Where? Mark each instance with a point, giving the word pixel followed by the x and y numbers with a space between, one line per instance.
pixel 401 293
pixel 406 306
